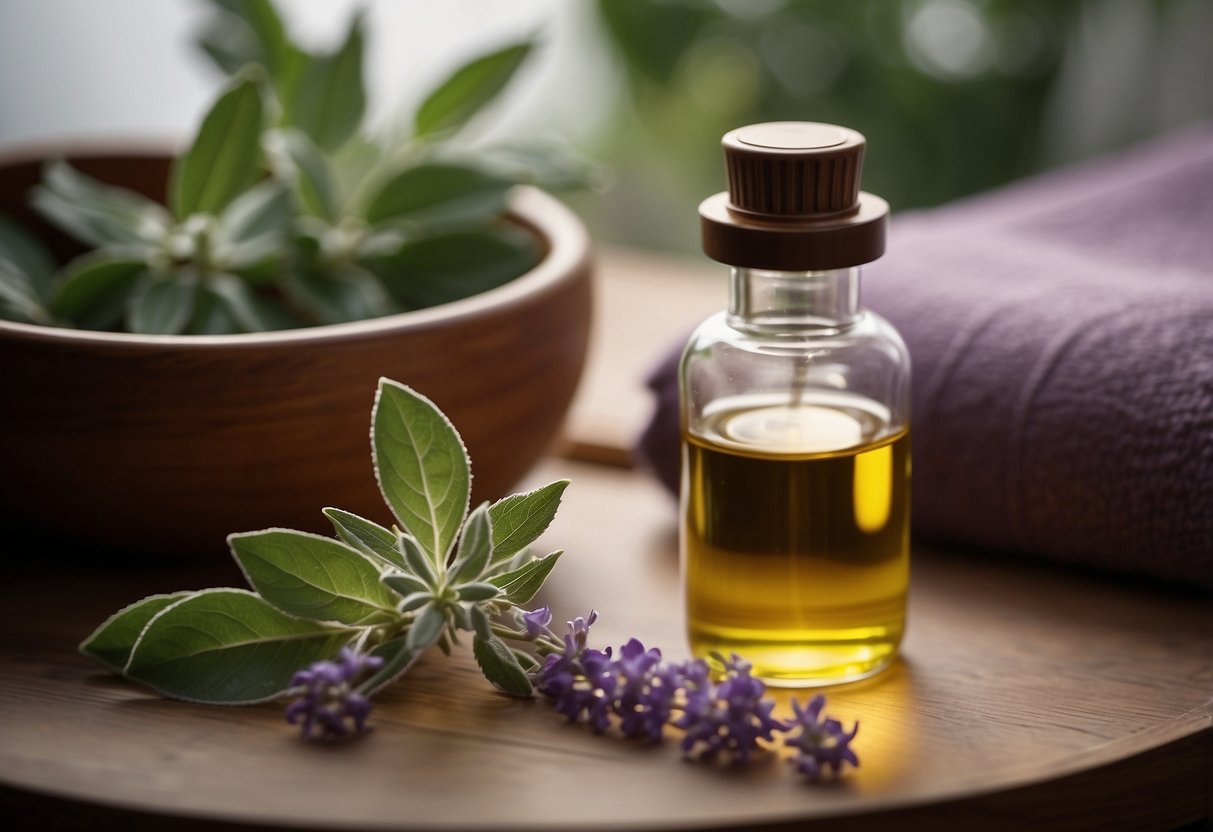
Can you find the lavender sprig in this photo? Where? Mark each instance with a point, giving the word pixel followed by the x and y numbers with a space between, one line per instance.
pixel 729 719
pixel 327 698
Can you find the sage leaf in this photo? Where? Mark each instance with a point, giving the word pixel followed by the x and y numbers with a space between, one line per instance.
pixel 521 584
pixel 225 157
pixel 397 659
pixel 405 583
pixel 298 160
pixel 440 194
pixel 313 577
pixel 477 591
pixel 18 300
pixel 264 40
pixel 449 267
pixel 29 258
pixel 480 622
pixel 426 629
pixel 519 519
pixel 422 467
pixel 417 560
pixel 475 544
pixel 338 295
pixel 366 536
pixel 500 666
pixel 254 226
pixel 412 601
pixel 96 213
pixel 164 307
pixel 211 316
pixel 97 290
pixel 468 89
pixel 245 308
pixel 112 642
pixel 228 646
pixel 330 97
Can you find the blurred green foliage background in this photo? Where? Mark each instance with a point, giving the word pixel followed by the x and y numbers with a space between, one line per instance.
pixel 954 96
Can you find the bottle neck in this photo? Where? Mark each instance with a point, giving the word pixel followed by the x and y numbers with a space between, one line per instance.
pixel 775 300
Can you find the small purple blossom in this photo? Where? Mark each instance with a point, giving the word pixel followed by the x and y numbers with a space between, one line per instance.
pixel 536 622
pixel 646 691
pixel 730 718
pixel 327 699
pixel 579 632
pixel 822 742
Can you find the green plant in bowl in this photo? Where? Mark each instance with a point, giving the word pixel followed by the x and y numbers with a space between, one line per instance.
pixel 282 212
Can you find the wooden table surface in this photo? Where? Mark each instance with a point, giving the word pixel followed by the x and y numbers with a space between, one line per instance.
pixel 1029 697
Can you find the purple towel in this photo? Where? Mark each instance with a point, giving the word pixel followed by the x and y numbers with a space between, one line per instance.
pixel 1062 337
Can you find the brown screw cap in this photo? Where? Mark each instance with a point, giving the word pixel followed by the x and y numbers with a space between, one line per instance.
pixel 793 202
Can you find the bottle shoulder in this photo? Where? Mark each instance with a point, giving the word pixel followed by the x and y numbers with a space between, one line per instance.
pixel 867 332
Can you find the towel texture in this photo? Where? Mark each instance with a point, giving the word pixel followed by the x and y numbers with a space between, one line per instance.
pixel 1062 338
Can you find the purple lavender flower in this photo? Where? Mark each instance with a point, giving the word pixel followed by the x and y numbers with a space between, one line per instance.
pixel 579 633
pixel 536 622
pixel 580 680
pixel 646 691
pixel 327 699
pixel 731 718
pixel 822 742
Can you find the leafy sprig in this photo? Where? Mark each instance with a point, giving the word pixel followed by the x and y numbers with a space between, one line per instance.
pixel 282 212
pixel 442 571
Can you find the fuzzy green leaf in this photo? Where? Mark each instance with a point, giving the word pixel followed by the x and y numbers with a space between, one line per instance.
pixel 519 519
pixel 211 315
pixel 421 466
pixel 255 225
pixel 475 544
pixel 477 591
pixel 500 666
pixel 312 577
pixel 97 290
pixel 112 642
pixel 164 307
pixel 268 44
pixel 331 97
pixel 480 622
pixel 249 312
pixel 397 659
pixel 366 536
pixel 406 584
pixel 301 162
pixel 96 213
pixel 417 560
pixel 18 299
pixel 228 646
pixel 440 194
pixel 338 295
pixel 441 269
pixel 468 89
pixel 30 258
pixel 426 629
pixel 521 584
pixel 225 157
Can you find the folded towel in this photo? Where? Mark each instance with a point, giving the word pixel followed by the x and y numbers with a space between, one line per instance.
pixel 1062 338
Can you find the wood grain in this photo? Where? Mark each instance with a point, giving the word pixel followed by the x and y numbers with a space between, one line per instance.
pixel 1028 697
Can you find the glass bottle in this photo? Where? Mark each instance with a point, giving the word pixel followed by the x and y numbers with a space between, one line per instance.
pixel 795 421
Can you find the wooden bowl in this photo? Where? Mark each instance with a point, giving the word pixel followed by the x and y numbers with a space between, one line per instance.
pixel 165 444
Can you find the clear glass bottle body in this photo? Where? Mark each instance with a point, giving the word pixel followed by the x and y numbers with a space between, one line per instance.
pixel 796 465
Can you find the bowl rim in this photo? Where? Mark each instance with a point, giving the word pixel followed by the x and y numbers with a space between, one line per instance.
pixel 566 256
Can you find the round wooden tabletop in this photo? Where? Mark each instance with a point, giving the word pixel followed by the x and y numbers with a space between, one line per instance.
pixel 1028 697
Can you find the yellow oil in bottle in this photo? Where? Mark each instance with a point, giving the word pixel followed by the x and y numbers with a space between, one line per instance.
pixel 796 538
